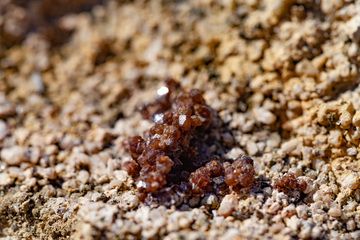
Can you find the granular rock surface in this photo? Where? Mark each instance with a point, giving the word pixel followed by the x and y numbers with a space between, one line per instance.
pixel 281 75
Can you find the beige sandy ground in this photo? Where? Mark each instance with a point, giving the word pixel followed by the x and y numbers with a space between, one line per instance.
pixel 283 76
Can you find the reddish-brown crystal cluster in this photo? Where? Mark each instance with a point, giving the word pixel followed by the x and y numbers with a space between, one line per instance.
pixel 290 185
pixel 240 173
pixel 174 150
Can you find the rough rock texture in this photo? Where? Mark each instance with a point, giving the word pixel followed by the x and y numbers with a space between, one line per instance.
pixel 283 76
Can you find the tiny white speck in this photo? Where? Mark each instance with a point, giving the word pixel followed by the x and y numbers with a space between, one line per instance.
pixel 162 91
pixel 155 184
pixel 182 119
pixel 214 212
pixel 168 142
pixel 141 184
pixel 38 82
pixel 156 136
pixel 158 118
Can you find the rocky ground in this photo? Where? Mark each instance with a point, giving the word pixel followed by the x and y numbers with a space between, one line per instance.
pixel 283 76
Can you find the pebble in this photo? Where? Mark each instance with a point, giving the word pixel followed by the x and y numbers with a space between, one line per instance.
pixel 351 151
pixel 293 223
pixel 274 207
pixel 211 201
pixel 350 225
pixel 98 214
pixel 289 146
pixel 83 176
pixel 120 175
pixel 248 126
pixel 14 155
pixel 228 205
pixel 305 232
pixel 355 234
pixel 356 119
pixel 264 116
pixel 3 130
pixel 129 200
pixel 251 148
pixel 335 211
pixel 235 153
pixel 335 138
pixel 302 211
pixel 351 181
pixel 316 232
pixel 274 140
pixel 5 179
pixel 231 233
pixel 6 110
pixel 47 173
pixel 37 82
